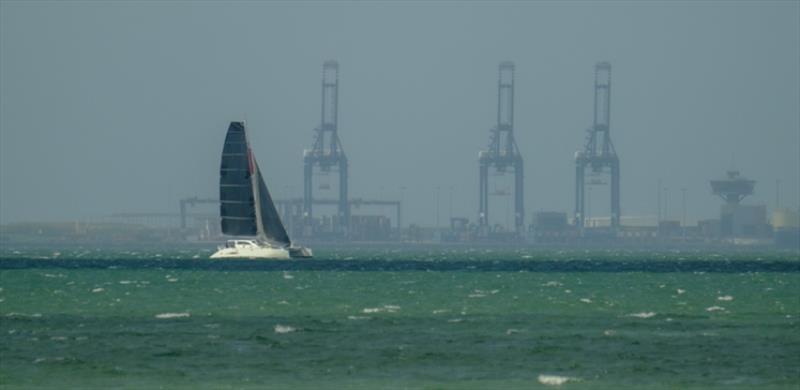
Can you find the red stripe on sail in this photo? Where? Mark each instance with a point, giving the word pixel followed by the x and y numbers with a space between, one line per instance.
pixel 250 163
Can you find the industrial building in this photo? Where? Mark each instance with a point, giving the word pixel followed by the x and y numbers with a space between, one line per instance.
pixel 786 228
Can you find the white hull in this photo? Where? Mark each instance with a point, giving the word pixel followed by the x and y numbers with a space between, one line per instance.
pixel 250 250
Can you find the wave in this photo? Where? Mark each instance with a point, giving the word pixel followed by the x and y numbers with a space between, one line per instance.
pixel 15 314
pixel 284 329
pixel 644 314
pixel 555 380
pixel 384 309
pixel 172 315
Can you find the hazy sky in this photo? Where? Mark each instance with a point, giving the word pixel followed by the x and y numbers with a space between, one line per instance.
pixel 123 106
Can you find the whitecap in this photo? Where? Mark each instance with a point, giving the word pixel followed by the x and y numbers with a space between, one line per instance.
pixel 454 320
pixel 725 298
pixel 125 282
pixel 15 314
pixel 283 303
pixel 476 295
pixel 172 280
pixel 172 315
pixel 681 291
pixel 358 317
pixel 586 300
pixel 512 331
pixel 286 275
pixel 609 332
pixel 283 328
pixel 647 314
pixel 552 283
pixel 555 380
pixel 97 290
pixel 385 308
pixel 715 308
pixel 440 311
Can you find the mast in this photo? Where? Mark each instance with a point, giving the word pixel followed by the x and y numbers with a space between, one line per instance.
pixel 253 168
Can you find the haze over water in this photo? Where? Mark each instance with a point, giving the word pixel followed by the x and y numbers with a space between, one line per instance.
pixel 126 104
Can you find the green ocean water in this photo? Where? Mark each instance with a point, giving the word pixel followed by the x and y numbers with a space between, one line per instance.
pixel 186 328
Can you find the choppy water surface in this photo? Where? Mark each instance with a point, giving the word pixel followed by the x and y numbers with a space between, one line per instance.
pixel 400 318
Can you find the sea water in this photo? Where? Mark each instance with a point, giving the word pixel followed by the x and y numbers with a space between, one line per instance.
pixel 399 318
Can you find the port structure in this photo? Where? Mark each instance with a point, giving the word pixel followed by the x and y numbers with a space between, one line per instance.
pixel 733 188
pixel 192 201
pixel 327 154
pixel 598 153
pixel 503 153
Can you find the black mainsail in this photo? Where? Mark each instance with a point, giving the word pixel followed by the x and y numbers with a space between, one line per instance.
pixel 246 207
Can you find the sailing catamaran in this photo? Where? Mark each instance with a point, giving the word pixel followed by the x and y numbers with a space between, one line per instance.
pixel 246 208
